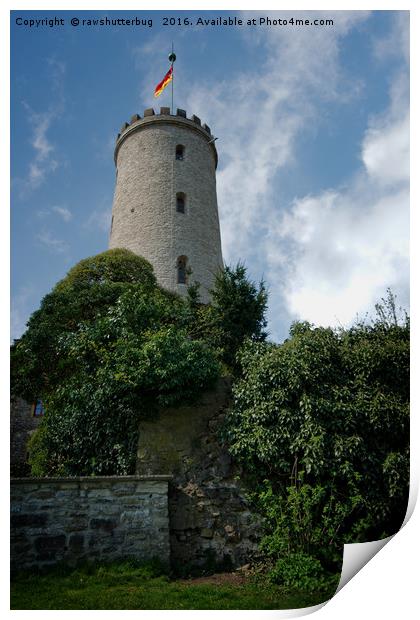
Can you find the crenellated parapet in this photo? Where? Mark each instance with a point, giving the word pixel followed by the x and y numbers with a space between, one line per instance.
pixel 163 116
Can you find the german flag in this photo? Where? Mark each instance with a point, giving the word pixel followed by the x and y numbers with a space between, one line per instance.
pixel 160 87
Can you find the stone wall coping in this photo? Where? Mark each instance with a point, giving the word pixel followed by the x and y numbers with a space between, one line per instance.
pixel 167 120
pixel 93 479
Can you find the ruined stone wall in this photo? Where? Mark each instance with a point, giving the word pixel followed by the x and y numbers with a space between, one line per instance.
pixel 202 520
pixel 22 425
pixel 210 519
pixel 74 519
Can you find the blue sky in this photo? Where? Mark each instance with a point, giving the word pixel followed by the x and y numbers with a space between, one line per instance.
pixel 313 149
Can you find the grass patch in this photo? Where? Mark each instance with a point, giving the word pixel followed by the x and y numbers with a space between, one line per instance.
pixel 130 586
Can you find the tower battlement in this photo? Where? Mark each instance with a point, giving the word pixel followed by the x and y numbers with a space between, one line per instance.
pixel 163 116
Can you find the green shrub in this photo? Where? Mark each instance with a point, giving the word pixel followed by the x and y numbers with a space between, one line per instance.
pixel 89 290
pixel 123 366
pixel 106 348
pixel 237 312
pixel 298 571
pixel 320 424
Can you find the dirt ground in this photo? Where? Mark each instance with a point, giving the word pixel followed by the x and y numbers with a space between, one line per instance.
pixel 219 579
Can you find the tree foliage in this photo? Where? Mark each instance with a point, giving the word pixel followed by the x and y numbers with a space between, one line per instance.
pixel 237 312
pixel 87 292
pixel 107 347
pixel 321 425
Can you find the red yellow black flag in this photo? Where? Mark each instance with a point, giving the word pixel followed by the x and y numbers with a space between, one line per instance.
pixel 162 85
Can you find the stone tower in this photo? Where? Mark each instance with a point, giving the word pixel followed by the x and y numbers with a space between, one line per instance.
pixel 165 202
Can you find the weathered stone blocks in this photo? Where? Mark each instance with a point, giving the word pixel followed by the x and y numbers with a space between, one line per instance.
pixel 88 518
pixel 76 542
pixel 22 424
pixel 208 510
pixel 28 520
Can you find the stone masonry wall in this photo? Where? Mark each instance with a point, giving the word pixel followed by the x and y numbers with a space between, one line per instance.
pixel 210 519
pixel 149 177
pixel 22 425
pixel 74 519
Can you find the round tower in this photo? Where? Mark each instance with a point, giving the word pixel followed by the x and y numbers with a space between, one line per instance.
pixel 165 202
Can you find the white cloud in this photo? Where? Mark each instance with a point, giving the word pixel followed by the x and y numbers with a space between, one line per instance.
pixel 260 116
pixel 397 41
pixel 325 257
pixel 21 306
pixel 346 252
pixel 63 212
pixel 44 160
pixel 40 142
pixel 386 152
pixel 100 219
pixel 58 246
pixel 350 244
pixel 41 213
pixel 386 146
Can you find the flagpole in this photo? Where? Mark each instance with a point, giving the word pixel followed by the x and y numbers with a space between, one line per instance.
pixel 172 59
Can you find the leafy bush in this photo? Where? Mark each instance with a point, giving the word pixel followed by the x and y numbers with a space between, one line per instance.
pixel 87 292
pixel 108 346
pixel 299 571
pixel 301 519
pixel 321 425
pixel 112 266
pixel 121 350
pixel 237 312
pixel 124 365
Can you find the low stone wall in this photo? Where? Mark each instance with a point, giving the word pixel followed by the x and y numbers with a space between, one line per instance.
pixel 101 518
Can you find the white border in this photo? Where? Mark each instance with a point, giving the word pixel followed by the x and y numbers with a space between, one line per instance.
pixel 387 586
